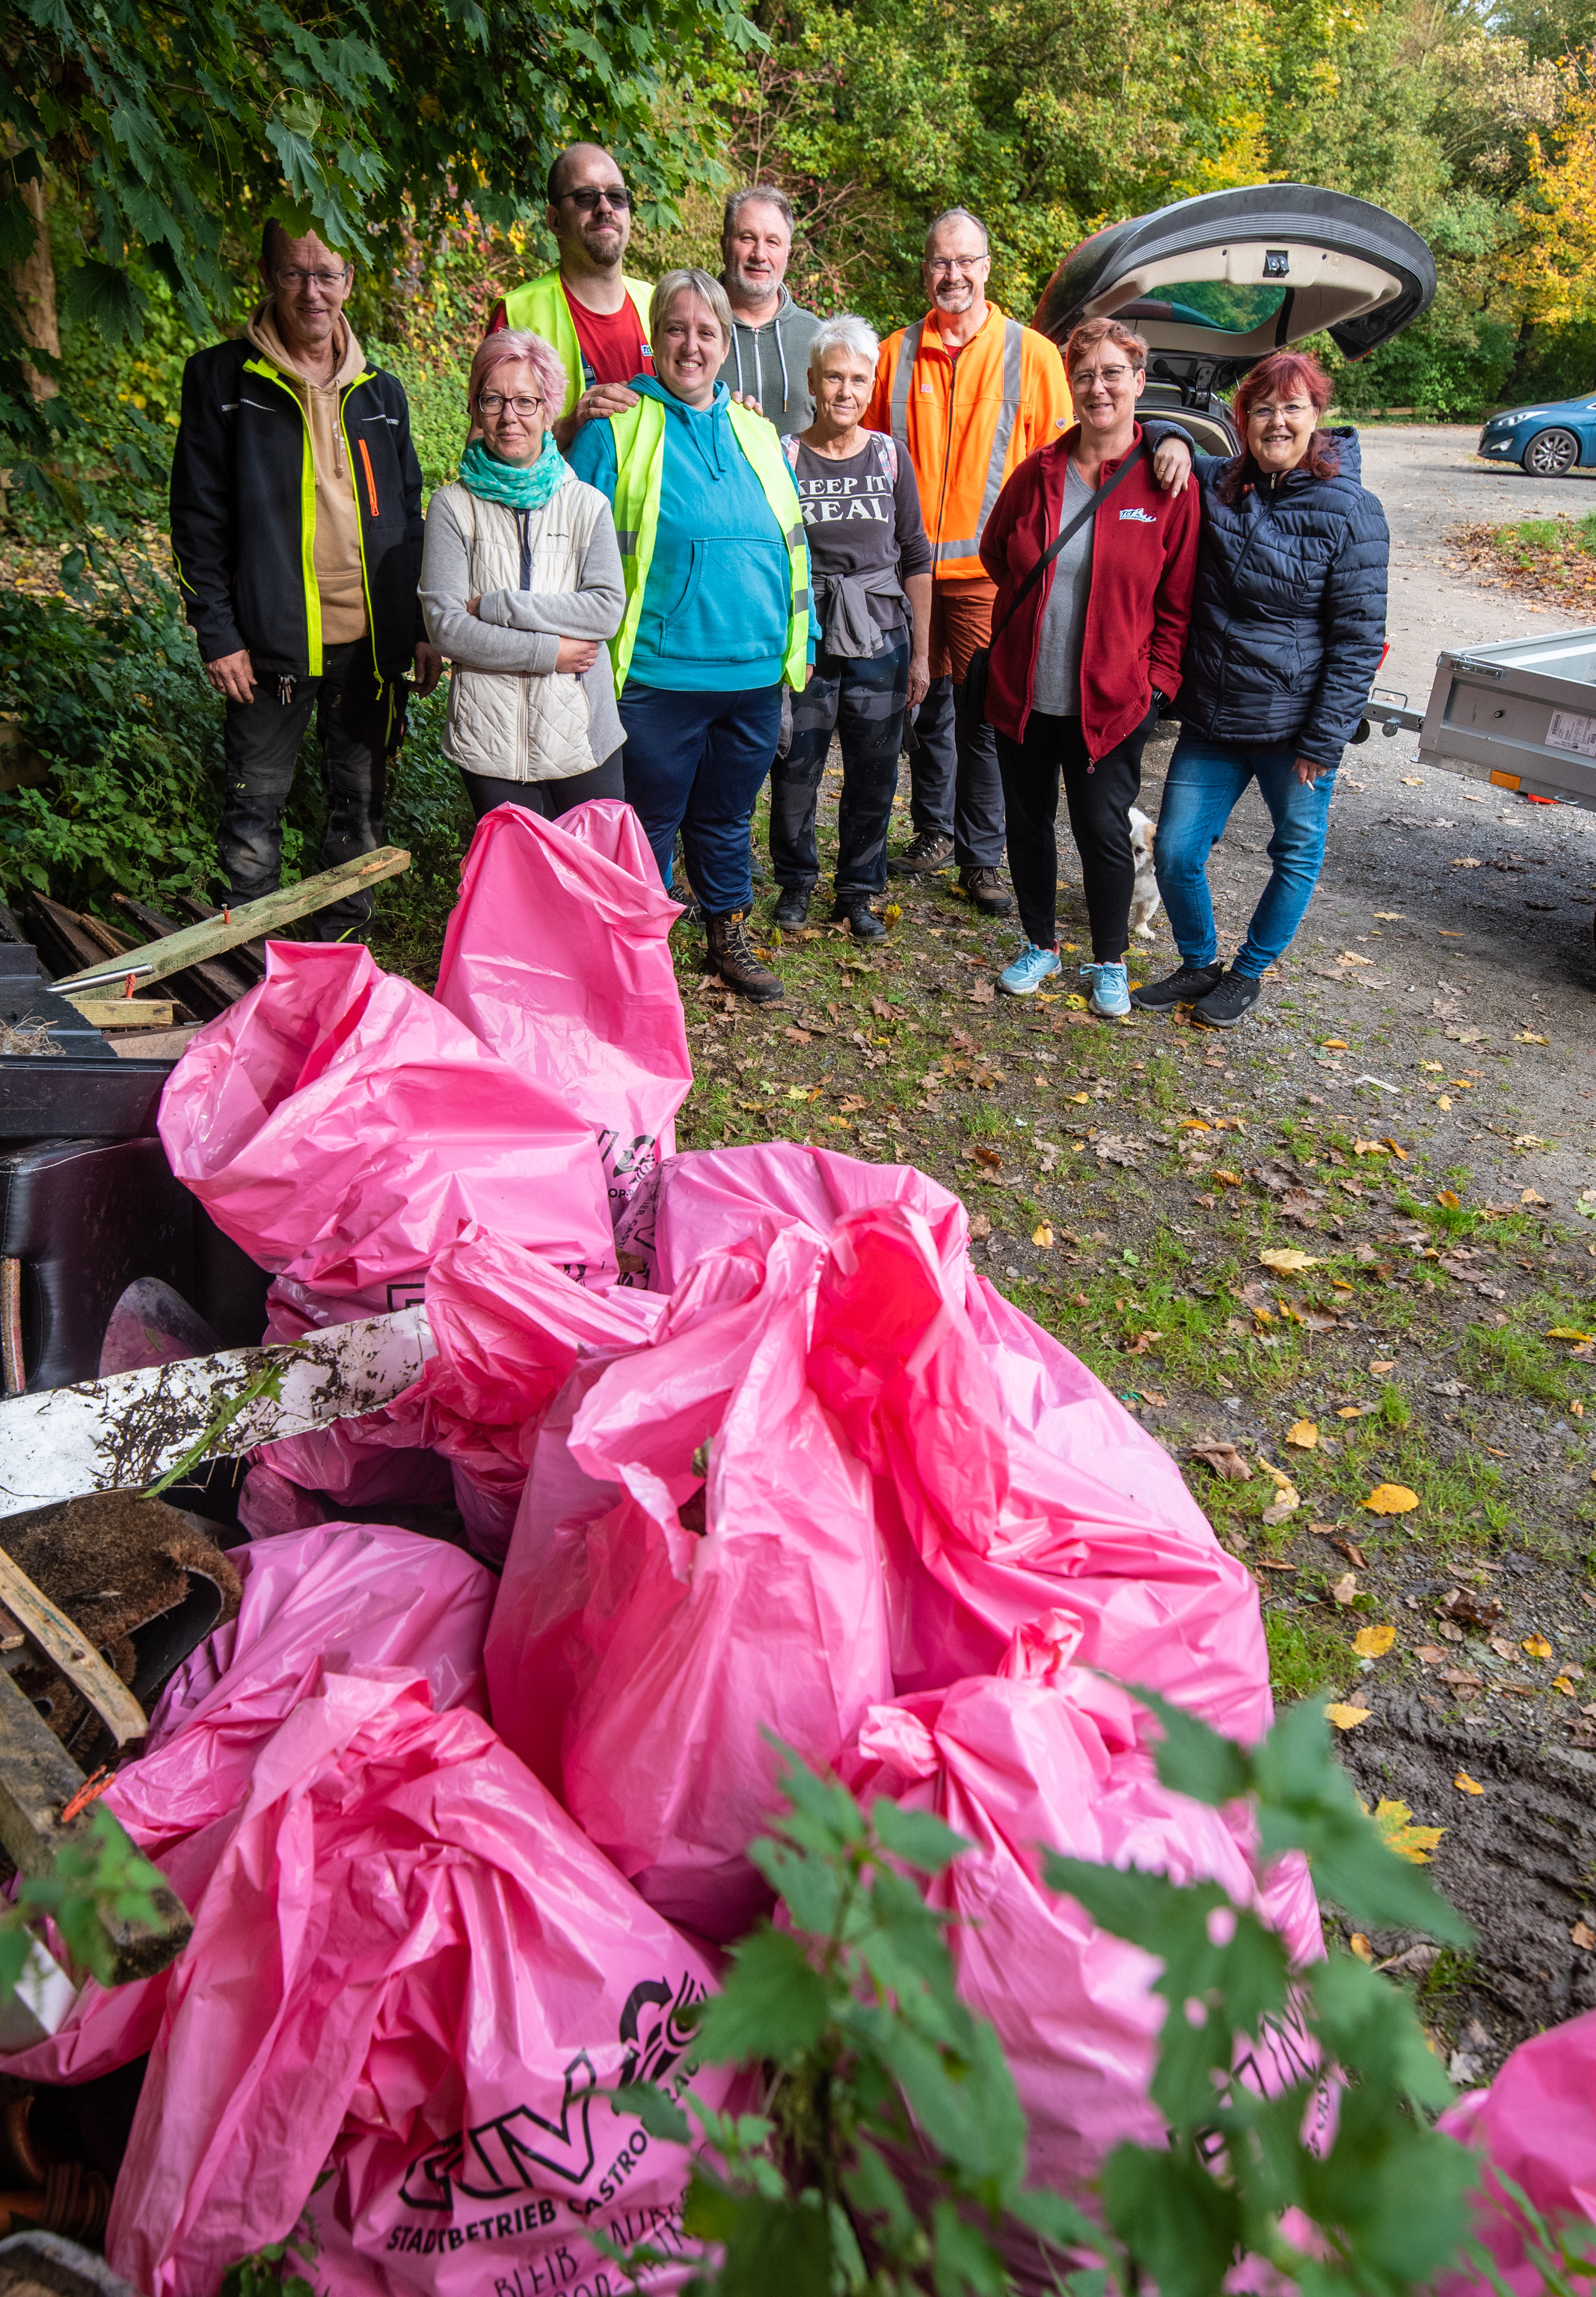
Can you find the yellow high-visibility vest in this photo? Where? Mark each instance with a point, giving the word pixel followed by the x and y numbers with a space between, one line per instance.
pixel 542 305
pixel 639 460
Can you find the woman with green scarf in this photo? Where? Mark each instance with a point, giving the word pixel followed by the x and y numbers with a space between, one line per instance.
pixel 520 586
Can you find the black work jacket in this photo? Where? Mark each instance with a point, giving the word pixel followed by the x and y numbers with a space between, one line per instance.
pixel 243 513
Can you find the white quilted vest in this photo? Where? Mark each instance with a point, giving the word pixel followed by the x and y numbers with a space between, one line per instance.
pixel 509 724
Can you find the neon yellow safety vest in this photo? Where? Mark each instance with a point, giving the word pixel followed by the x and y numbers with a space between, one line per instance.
pixel 639 460
pixel 541 305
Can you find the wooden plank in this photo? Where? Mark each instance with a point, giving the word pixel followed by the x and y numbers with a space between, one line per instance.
pixel 126 1012
pixel 38 1780
pixel 72 1654
pixel 212 985
pixel 248 954
pixel 249 921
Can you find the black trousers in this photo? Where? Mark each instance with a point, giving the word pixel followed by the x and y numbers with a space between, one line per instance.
pixel 549 799
pixel 1099 793
pixel 860 698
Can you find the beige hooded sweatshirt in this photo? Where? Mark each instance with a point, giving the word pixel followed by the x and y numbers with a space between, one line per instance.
pixel 337 548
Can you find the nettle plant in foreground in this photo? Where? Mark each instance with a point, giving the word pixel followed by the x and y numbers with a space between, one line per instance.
pixel 867 2062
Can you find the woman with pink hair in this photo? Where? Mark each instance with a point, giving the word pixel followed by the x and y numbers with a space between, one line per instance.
pixel 520 587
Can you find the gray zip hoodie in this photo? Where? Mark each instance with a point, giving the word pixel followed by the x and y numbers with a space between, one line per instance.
pixel 771 364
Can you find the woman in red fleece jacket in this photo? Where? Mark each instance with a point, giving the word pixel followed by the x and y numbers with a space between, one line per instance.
pixel 1088 658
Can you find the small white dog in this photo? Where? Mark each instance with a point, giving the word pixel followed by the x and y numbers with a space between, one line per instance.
pixel 1144 900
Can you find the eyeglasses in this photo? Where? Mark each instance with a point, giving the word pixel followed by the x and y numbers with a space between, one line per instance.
pixel 493 402
pixel 1084 377
pixel 329 282
pixel 1261 408
pixel 590 195
pixel 954 262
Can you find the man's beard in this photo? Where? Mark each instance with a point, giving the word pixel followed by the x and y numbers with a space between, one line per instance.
pixel 963 289
pixel 595 239
pixel 749 290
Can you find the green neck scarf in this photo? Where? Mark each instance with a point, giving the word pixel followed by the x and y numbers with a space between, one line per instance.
pixel 519 486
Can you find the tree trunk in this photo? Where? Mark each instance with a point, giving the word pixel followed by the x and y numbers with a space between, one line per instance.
pixel 33 283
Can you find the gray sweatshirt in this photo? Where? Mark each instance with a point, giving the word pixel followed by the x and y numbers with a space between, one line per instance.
pixel 520 631
pixel 771 364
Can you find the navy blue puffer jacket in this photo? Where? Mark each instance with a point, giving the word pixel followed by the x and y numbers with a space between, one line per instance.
pixel 1288 617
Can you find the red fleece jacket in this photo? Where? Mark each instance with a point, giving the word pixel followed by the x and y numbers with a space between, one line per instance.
pixel 1143 567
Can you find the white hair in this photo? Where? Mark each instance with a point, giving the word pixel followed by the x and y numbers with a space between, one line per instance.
pixel 849 333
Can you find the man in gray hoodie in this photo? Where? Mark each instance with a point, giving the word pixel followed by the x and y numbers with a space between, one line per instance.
pixel 768 359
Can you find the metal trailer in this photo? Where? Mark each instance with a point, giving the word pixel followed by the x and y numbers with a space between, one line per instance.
pixel 1520 716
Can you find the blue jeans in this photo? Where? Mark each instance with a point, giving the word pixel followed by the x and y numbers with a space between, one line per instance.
pixel 696 763
pixel 1205 779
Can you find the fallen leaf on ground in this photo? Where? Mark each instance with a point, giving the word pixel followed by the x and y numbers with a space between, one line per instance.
pixel 1562 1683
pixel 1449 1197
pixel 1429 1653
pixel 1529 1037
pixel 1467 862
pixel 1383 1364
pixel 1466 1785
pixel 1304 1435
pixel 1346 1718
pixel 1391 1499
pixel 1226 1180
pixel 1224 1460
pixel 1373 1642
pixel 881 1009
pixel 1042 1236
pixel 1361 1947
pixel 1186 1125
pixel 1584 1937
pixel 987 1156
pixel 1286 1258
pixel 979 1226
pixel 1537 1646
pixel 1287 1504
pixel 1398 1832
pixel 1355 1411
pixel 1142 1342
pixel 1336 1045
pixel 982 993
pixel 1344 1589
pixel 1347 1547
pixel 1462 1678
pixel 1369 1149
pixel 1396 1148
pixel 1567 1332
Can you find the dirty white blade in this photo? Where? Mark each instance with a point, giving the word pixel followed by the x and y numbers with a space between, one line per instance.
pixel 121 1434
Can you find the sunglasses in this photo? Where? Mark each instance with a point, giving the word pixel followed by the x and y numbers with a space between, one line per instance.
pixel 589 197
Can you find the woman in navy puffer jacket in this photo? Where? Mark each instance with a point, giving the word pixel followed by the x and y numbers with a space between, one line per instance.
pixel 1287 624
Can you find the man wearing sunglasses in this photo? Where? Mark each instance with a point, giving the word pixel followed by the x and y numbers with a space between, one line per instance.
pixel 596 317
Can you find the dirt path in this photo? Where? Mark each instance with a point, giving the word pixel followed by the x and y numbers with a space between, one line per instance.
pixel 1122 1181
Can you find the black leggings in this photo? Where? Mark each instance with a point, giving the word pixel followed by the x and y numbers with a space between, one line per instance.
pixel 550 799
pixel 1099 794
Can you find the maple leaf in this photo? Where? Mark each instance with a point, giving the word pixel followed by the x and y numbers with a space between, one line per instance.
pixel 1398 1832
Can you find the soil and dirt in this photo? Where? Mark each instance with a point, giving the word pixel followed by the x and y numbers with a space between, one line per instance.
pixel 1411 1107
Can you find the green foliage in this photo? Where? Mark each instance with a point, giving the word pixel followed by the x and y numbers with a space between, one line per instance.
pixel 99 1880
pixel 851 2010
pixel 269 2271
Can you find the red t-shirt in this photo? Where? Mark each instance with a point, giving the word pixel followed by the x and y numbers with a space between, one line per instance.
pixel 611 342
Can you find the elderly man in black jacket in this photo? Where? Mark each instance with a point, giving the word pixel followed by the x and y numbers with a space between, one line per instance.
pixel 297 533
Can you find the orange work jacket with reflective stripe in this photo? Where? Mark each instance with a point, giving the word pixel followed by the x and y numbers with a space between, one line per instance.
pixel 966 423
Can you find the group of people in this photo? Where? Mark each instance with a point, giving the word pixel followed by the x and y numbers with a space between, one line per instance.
pixel 698 531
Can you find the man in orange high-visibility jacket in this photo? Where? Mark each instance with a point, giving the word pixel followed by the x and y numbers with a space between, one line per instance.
pixel 966 393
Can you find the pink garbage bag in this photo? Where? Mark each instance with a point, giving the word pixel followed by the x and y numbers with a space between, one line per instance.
pixel 407 1963
pixel 558 955
pixel 732 1580
pixel 343 1127
pixel 1044 1753
pixel 1537 2124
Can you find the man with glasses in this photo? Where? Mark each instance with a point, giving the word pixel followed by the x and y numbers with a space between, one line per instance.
pixel 596 317
pixel 297 533
pixel 968 393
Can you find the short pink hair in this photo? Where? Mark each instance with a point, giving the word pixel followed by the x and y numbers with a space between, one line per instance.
pixel 510 347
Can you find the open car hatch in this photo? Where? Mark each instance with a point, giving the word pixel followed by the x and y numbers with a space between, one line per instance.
pixel 1217 283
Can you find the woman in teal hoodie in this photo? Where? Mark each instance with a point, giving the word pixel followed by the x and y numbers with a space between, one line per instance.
pixel 717 613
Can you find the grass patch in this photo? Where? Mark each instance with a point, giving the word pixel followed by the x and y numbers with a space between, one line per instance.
pixel 1506 1359
pixel 1303 1657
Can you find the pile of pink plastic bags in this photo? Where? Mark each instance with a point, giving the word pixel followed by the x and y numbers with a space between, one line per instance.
pixel 464 1834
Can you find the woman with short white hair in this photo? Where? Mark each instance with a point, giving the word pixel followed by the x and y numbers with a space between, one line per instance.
pixel 717 608
pixel 870 568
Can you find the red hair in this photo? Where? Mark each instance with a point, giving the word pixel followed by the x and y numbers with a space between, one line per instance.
pixel 1282 372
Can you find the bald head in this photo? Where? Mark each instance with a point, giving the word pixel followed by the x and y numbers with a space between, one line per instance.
pixel 589 214
pixel 561 175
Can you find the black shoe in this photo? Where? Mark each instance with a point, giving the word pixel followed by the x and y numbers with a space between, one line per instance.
pixel 793 909
pixel 730 954
pixel 1184 986
pixel 756 867
pixel 985 890
pixel 862 920
pixel 1230 1002
pixel 922 857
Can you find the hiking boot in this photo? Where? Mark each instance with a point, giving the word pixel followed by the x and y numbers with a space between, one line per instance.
pixel 1110 991
pixel 730 954
pixel 1230 1002
pixel 922 857
pixel 793 909
pixel 985 890
pixel 1024 975
pixel 1184 986
pixel 862 920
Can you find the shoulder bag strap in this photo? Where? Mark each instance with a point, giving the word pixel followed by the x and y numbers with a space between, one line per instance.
pixel 1087 510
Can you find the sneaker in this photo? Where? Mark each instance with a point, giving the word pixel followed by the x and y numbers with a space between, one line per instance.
pixel 730 954
pixel 1182 987
pixel 1025 974
pixel 1230 1002
pixel 985 890
pixel 861 919
pixel 793 909
pixel 1110 990
pixel 922 857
